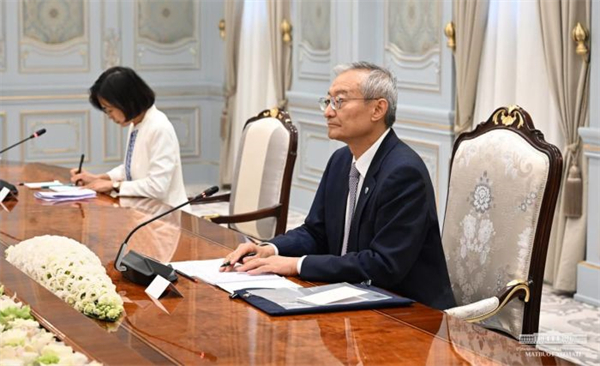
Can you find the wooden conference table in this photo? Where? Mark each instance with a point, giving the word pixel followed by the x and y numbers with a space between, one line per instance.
pixel 205 326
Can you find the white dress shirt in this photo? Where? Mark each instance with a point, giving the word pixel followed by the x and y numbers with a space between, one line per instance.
pixel 155 162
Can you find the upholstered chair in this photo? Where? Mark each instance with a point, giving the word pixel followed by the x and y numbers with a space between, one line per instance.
pixel 260 189
pixel 504 183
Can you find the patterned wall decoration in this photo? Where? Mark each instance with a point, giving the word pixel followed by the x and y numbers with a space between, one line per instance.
pixel 429 152
pixel 314 47
pixel 111 34
pixel 67 136
pixel 2 36
pixel 167 34
pixel 412 42
pixel 54 35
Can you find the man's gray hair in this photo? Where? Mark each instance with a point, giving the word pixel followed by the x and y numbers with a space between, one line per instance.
pixel 380 83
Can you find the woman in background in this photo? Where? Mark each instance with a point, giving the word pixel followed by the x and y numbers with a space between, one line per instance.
pixel 152 165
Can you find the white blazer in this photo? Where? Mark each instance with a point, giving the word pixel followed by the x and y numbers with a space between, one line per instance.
pixel 155 162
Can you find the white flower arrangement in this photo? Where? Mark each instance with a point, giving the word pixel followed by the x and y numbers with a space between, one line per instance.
pixel 24 342
pixel 71 271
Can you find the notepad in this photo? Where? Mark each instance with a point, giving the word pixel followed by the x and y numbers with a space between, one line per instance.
pixel 38 185
pixel 208 271
pixel 332 296
pixel 70 195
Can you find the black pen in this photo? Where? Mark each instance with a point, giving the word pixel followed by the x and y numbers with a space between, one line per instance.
pixel 228 263
pixel 182 274
pixel 79 170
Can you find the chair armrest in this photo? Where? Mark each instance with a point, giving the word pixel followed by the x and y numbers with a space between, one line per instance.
pixel 247 216
pixel 220 198
pixel 489 307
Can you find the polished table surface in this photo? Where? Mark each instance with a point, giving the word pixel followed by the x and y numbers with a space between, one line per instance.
pixel 205 326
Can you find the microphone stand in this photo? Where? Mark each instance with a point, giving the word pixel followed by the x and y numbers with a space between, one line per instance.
pixel 141 269
pixel 14 192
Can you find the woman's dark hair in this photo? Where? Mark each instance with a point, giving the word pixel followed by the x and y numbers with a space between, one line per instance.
pixel 124 90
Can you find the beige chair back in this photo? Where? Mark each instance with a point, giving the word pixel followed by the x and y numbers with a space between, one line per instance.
pixel 503 186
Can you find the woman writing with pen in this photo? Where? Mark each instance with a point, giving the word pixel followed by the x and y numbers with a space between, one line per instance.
pixel 152 164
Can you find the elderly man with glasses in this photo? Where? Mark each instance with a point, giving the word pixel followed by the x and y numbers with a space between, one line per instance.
pixel 374 215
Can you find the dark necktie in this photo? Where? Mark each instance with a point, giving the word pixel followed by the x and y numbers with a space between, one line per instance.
pixel 353 178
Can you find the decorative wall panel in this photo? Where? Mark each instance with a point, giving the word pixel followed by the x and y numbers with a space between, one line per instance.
pixel 67 137
pixel 112 141
pixel 314 153
pixel 412 43
pixel 2 36
pixel 54 36
pixel 111 34
pixel 314 46
pixel 429 152
pixel 3 141
pixel 167 34
pixel 186 122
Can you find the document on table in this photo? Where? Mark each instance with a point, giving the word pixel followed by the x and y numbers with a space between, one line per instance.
pixel 38 185
pixel 69 195
pixel 208 271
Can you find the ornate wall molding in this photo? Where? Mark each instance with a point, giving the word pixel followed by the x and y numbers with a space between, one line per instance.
pixel 186 122
pixel 315 145
pixel 3 130
pixel 167 35
pixel 314 45
pixel 111 34
pixel 73 127
pixel 53 36
pixel 112 141
pixel 2 36
pixel 412 35
pixel 429 152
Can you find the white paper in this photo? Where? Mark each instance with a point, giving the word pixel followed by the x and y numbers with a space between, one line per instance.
pixel 63 188
pixel 3 193
pixel 70 195
pixel 331 296
pixel 158 285
pixel 208 271
pixel 38 185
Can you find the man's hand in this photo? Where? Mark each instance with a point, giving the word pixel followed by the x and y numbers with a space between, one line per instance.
pixel 246 252
pixel 285 266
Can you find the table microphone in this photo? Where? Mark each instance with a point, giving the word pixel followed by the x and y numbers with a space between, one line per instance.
pixel 4 184
pixel 141 269
pixel 37 133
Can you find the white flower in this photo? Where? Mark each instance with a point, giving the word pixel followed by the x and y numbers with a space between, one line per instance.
pixel 71 271
pixel 24 342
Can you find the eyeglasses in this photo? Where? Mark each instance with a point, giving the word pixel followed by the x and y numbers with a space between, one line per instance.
pixel 336 103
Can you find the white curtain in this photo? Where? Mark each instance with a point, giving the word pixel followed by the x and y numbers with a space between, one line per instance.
pixel 255 79
pixel 513 69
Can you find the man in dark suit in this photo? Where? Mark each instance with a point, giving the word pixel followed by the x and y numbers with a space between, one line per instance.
pixel 374 215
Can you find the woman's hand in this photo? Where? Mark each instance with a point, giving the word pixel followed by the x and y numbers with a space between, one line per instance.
pixel 84 177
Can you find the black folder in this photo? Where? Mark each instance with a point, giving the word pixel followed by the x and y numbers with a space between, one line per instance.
pixel 273 308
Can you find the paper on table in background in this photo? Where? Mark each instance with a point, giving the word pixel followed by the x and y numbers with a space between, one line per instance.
pixel 71 195
pixel 331 296
pixel 38 185
pixel 208 271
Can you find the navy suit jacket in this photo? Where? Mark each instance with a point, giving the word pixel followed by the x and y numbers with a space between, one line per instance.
pixel 394 238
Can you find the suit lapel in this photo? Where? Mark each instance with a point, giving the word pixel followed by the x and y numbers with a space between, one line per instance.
pixel 339 200
pixel 368 187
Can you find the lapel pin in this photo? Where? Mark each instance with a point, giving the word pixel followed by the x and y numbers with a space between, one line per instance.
pixel 366 190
